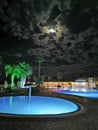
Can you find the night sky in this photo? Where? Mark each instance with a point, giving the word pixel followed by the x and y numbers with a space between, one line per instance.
pixel 71 50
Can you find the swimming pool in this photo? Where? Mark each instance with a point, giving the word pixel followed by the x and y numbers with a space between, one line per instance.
pixel 89 93
pixel 37 105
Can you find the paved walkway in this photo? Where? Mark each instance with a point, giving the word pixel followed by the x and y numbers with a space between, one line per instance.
pixel 87 119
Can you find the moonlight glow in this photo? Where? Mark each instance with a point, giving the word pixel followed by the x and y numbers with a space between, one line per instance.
pixel 52 30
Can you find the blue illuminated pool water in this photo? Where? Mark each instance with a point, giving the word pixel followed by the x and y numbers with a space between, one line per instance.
pixel 90 93
pixel 38 105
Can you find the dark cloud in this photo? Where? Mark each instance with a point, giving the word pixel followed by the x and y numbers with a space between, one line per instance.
pixel 24 34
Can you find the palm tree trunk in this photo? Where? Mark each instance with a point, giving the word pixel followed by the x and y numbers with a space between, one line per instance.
pixel 12 81
pixel 23 81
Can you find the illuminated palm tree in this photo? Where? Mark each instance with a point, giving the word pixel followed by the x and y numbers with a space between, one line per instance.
pixel 25 70
pixel 19 71
pixel 14 71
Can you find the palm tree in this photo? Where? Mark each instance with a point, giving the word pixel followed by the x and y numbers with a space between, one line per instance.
pixel 19 71
pixel 40 59
pixel 59 76
pixel 1 59
pixel 14 71
pixel 25 70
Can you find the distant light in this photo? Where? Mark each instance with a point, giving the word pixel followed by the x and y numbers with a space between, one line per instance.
pixel 52 30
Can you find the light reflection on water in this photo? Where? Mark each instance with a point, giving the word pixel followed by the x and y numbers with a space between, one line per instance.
pixel 88 93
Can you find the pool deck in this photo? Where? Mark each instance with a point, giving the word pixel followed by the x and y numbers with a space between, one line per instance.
pixel 86 119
